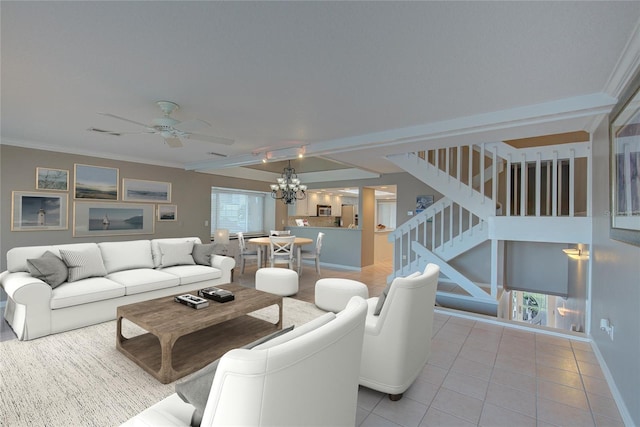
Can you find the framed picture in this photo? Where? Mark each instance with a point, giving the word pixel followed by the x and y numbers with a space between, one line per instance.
pixel 423 202
pixel 112 219
pixel 167 212
pixel 625 168
pixel 52 179
pixel 95 182
pixel 33 211
pixel 137 190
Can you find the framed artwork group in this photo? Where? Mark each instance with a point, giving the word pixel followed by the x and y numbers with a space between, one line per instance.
pixel 100 206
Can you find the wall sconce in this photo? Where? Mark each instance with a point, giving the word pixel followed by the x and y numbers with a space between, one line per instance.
pixel 575 253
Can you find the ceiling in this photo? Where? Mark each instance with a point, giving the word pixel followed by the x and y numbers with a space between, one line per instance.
pixel 348 82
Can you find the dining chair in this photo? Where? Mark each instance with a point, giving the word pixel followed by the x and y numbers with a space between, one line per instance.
pixel 246 254
pixel 282 250
pixel 311 254
pixel 280 233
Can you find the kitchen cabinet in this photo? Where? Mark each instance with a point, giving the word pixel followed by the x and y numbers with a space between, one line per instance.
pixel 336 205
pixel 299 208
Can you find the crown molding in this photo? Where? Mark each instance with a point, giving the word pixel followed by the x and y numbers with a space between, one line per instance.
pixel 626 67
pixel 101 155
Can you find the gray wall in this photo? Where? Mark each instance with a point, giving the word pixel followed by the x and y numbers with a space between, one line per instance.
pixel 615 286
pixel 191 191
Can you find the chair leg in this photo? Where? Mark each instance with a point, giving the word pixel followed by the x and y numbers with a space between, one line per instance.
pixel 242 266
pixel 318 265
pixel 395 397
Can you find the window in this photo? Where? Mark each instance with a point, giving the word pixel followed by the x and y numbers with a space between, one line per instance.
pixel 386 213
pixel 237 210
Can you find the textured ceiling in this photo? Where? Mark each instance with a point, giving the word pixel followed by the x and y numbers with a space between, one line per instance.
pixel 351 81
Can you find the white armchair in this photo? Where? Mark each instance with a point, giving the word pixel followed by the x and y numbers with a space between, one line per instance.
pixel 308 380
pixel 397 342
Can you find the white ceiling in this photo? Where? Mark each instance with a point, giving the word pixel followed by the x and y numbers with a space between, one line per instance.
pixel 350 81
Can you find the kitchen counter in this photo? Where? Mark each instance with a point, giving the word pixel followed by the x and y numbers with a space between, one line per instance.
pixel 341 246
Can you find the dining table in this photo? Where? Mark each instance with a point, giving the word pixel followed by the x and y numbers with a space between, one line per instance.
pixel 261 242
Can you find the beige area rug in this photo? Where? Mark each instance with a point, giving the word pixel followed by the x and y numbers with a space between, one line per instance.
pixel 78 378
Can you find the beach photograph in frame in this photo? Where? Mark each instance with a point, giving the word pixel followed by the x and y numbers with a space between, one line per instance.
pixel 625 169
pixel 95 182
pixel 167 212
pixel 112 219
pixel 423 202
pixel 138 190
pixel 33 211
pixel 52 179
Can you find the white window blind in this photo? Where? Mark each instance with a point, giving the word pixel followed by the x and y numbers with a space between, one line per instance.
pixel 237 210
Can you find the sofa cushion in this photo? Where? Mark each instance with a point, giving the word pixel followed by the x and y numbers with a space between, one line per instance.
pixel 176 254
pixel 385 292
pixel 202 253
pixel 83 263
pixel 119 256
pixel 193 273
pixel 85 291
pixel 143 279
pixel 48 268
pixel 195 390
pixel 155 247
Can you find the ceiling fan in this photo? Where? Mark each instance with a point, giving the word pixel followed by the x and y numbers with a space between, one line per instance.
pixel 173 131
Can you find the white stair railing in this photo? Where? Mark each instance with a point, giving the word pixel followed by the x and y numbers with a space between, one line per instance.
pixel 488 182
pixel 446 229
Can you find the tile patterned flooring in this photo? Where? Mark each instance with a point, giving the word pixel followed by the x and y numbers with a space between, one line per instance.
pixel 482 374
pixel 479 374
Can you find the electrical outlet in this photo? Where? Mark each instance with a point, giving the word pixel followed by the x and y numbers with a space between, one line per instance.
pixel 409 213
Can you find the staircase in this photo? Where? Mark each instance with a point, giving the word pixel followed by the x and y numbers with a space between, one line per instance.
pixel 492 192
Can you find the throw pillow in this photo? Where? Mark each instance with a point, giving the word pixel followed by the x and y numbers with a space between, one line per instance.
pixel 48 268
pixel 385 292
pixel 202 253
pixel 83 264
pixel 196 389
pixel 176 254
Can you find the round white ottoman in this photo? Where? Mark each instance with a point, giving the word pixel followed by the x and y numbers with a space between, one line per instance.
pixel 279 281
pixel 334 294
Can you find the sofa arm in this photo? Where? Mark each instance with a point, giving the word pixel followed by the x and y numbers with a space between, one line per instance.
pixel 224 263
pixel 28 309
pixel 23 288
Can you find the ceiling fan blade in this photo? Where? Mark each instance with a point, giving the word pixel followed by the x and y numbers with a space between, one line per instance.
pixel 173 142
pixel 191 125
pixel 122 118
pixel 114 132
pixel 213 139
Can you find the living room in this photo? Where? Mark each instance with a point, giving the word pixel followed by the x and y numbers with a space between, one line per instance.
pixel 65 64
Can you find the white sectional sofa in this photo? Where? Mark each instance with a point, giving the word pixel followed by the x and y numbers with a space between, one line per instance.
pixel 99 277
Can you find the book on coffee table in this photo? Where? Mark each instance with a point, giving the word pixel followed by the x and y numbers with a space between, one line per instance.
pixel 216 294
pixel 192 301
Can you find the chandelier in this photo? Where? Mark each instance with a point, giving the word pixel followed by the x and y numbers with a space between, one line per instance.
pixel 288 189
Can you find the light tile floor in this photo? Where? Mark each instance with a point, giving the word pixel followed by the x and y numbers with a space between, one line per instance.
pixel 479 374
pixel 482 374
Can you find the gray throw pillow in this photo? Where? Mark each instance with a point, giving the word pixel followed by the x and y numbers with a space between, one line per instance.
pixel 83 264
pixel 202 253
pixel 196 389
pixel 48 268
pixel 381 299
pixel 385 292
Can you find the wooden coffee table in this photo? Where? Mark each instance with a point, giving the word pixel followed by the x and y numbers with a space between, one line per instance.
pixel 181 340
